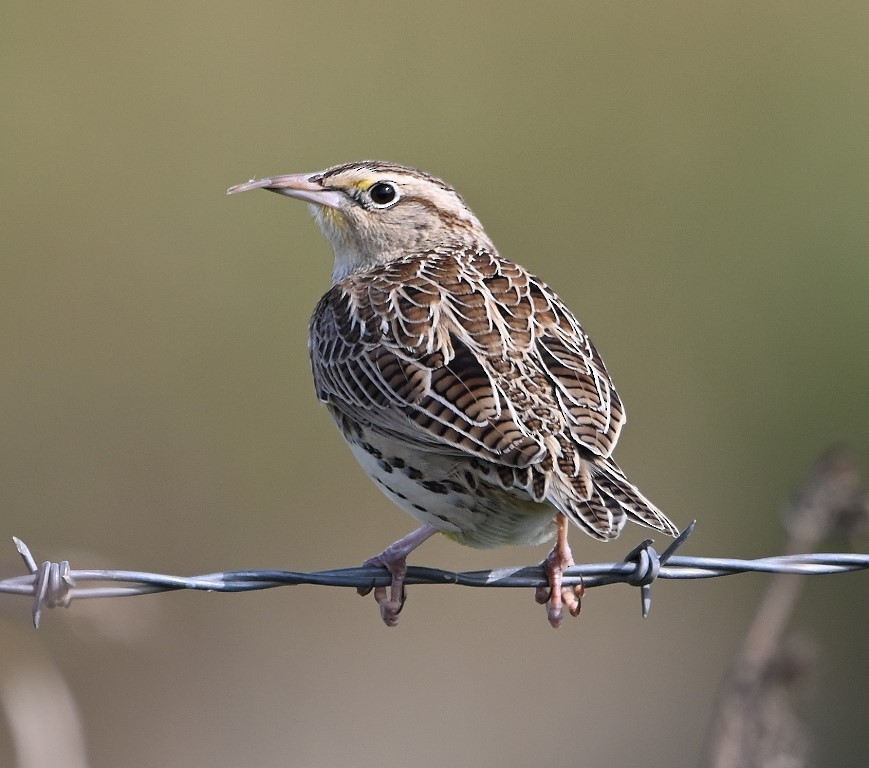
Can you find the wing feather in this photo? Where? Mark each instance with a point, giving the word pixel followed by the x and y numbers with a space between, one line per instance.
pixel 472 355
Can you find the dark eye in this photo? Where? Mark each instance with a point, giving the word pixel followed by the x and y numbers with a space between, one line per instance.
pixel 383 193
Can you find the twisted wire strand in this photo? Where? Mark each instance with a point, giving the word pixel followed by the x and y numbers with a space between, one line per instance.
pixel 52 585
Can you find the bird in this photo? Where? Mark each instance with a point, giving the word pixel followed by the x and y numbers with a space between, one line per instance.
pixel 465 387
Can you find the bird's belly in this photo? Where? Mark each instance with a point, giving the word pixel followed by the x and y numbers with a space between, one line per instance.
pixel 443 491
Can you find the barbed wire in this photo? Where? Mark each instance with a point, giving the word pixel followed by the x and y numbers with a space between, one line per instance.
pixel 56 584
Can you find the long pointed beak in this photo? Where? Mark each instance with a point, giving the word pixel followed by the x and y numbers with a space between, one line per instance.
pixel 297 185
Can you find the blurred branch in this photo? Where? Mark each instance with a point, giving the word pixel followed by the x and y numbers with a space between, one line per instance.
pixel 754 724
pixel 42 716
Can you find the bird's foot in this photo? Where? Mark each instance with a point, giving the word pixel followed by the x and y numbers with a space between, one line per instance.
pixel 555 596
pixel 394 559
pixel 390 600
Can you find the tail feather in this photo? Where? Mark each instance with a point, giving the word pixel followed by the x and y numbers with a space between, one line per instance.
pixel 612 484
pixel 613 500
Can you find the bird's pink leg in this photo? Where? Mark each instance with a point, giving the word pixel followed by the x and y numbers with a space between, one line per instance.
pixel 394 559
pixel 555 595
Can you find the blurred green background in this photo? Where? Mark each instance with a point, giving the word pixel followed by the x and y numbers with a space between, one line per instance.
pixel 692 178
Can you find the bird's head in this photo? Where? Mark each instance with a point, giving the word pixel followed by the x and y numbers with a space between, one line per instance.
pixel 374 212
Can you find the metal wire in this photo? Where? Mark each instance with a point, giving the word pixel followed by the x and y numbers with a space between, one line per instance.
pixel 56 584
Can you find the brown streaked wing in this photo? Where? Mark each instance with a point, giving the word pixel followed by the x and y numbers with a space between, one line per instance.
pixel 412 389
pixel 464 408
pixel 583 387
pixel 585 393
pixel 464 353
pixel 548 337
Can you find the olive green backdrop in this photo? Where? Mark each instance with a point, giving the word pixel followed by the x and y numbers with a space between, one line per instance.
pixel 693 178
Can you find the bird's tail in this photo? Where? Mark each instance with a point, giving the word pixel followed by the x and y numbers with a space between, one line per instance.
pixel 613 500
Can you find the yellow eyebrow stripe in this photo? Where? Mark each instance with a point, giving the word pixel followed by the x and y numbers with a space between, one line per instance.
pixel 366 183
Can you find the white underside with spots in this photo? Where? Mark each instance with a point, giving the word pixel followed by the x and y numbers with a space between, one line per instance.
pixel 481 516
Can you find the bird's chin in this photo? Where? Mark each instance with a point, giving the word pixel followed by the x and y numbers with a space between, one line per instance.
pixel 339 233
pixel 330 221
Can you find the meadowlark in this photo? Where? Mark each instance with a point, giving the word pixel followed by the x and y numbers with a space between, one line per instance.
pixel 465 387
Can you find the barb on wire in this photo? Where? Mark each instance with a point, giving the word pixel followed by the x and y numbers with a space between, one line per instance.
pixel 57 584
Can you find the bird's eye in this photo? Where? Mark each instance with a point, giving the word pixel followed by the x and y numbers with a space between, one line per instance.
pixel 383 193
